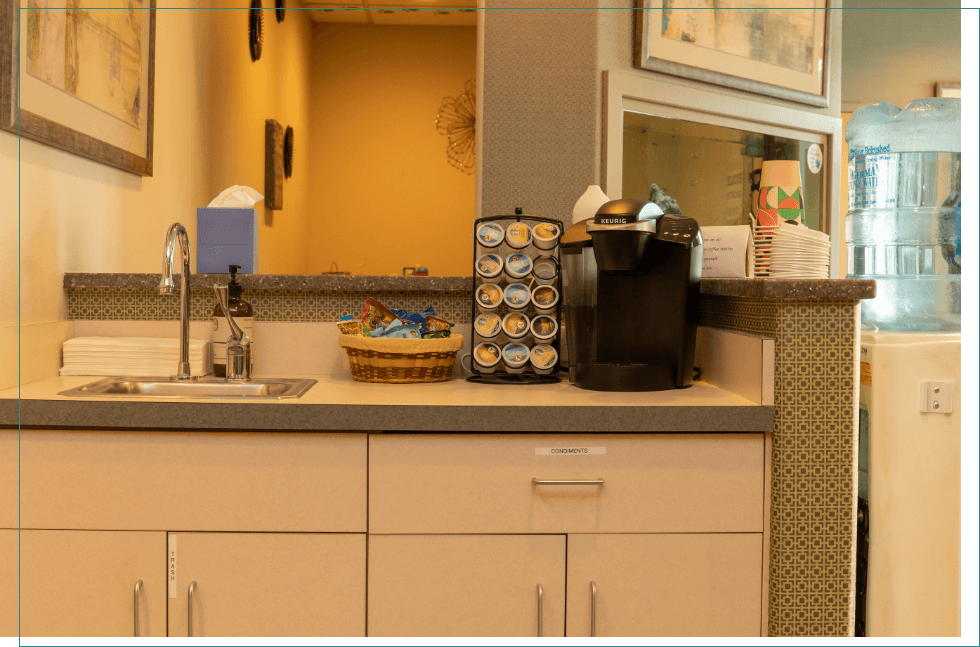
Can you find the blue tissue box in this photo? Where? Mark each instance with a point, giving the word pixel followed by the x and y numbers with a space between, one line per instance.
pixel 227 237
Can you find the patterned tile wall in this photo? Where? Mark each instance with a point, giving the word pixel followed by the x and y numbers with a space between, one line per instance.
pixel 812 566
pixel 541 90
pixel 268 305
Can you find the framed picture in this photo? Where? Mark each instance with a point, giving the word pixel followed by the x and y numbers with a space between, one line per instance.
pixel 82 78
pixel 778 48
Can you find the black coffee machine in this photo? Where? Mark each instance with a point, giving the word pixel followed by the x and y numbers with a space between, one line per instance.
pixel 631 281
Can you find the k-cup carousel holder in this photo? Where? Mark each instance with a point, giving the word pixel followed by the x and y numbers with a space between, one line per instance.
pixel 516 336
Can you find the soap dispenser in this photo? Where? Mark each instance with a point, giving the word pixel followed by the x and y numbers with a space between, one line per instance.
pixel 242 312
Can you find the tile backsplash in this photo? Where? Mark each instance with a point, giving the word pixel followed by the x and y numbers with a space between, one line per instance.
pixel 138 304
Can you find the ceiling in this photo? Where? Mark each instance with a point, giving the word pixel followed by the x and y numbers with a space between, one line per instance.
pixel 450 13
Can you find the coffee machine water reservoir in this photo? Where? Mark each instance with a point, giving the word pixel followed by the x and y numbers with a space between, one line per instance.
pixel 631 282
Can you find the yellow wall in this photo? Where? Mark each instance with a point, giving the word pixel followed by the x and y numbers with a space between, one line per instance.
pixel 80 216
pixel 384 196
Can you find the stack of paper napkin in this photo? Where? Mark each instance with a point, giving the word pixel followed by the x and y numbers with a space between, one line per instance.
pixel 132 356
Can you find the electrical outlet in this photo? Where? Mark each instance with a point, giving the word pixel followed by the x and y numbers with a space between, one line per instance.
pixel 936 397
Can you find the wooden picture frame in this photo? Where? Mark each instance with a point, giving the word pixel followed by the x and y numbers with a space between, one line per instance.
pixel 678 56
pixel 21 120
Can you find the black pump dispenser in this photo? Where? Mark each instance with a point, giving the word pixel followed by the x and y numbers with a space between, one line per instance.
pixel 234 287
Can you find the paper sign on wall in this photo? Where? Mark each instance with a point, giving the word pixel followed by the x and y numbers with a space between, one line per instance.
pixel 568 451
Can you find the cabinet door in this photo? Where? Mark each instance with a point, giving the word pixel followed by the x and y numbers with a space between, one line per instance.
pixel 466 585
pixel 82 583
pixel 8 583
pixel 268 584
pixel 666 585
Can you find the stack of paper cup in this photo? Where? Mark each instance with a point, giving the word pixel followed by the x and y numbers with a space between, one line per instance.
pixel 780 193
pixel 762 236
pixel 799 253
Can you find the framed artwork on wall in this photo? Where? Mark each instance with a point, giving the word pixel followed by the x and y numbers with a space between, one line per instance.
pixel 82 78
pixel 777 48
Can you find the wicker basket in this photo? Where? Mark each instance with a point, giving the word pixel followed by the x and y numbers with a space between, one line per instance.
pixel 401 361
pixel 351 327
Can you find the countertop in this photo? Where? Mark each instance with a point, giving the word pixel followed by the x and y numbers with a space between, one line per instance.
pixel 845 289
pixel 337 403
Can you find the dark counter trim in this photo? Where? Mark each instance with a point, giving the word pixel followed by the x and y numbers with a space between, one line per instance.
pixel 791 289
pixel 213 416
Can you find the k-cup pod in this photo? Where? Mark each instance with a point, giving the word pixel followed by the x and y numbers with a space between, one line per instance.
pixel 544 357
pixel 544 328
pixel 488 296
pixel 545 299
pixel 487 325
pixel 518 266
pixel 518 235
pixel 515 357
pixel 489 266
pixel 545 268
pixel 517 296
pixel 486 356
pixel 516 325
pixel 545 235
pixel 490 234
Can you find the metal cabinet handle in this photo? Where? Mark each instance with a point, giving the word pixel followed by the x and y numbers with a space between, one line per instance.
pixel 540 611
pixel 190 609
pixel 595 595
pixel 538 481
pixel 136 608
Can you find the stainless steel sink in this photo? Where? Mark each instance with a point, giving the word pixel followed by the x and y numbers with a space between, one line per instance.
pixel 273 388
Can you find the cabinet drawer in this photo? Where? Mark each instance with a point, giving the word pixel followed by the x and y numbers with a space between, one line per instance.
pixel 483 483
pixel 220 481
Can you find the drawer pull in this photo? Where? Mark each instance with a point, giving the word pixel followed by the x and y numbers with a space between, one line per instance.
pixel 540 611
pixel 538 481
pixel 136 608
pixel 190 609
pixel 595 595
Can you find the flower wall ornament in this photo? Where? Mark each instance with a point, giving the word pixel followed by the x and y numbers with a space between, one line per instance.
pixel 457 121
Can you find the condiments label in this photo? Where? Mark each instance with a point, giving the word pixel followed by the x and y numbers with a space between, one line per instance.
pixel 568 451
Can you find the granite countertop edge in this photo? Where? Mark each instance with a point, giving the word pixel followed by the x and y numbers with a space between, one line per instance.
pixel 786 289
pixel 189 416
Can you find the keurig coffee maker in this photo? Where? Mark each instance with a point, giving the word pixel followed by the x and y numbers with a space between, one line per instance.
pixel 631 282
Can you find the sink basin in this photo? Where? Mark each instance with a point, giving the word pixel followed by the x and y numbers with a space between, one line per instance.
pixel 273 388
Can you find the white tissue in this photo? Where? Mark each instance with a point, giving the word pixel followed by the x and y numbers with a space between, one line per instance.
pixel 236 197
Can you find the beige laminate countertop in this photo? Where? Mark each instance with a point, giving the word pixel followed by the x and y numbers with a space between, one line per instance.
pixel 337 403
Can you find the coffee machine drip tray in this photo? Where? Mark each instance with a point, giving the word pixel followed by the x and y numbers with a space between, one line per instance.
pixel 627 377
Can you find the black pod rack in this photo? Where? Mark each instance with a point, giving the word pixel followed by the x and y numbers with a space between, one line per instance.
pixel 500 375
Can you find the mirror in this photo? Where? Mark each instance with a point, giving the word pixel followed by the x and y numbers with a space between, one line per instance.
pixel 385 193
pixel 712 171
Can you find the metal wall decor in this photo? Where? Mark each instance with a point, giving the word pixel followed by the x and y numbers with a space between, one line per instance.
pixel 274 171
pixel 287 153
pixel 255 30
pixel 457 121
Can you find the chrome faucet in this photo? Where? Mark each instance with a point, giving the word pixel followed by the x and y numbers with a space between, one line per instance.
pixel 177 237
